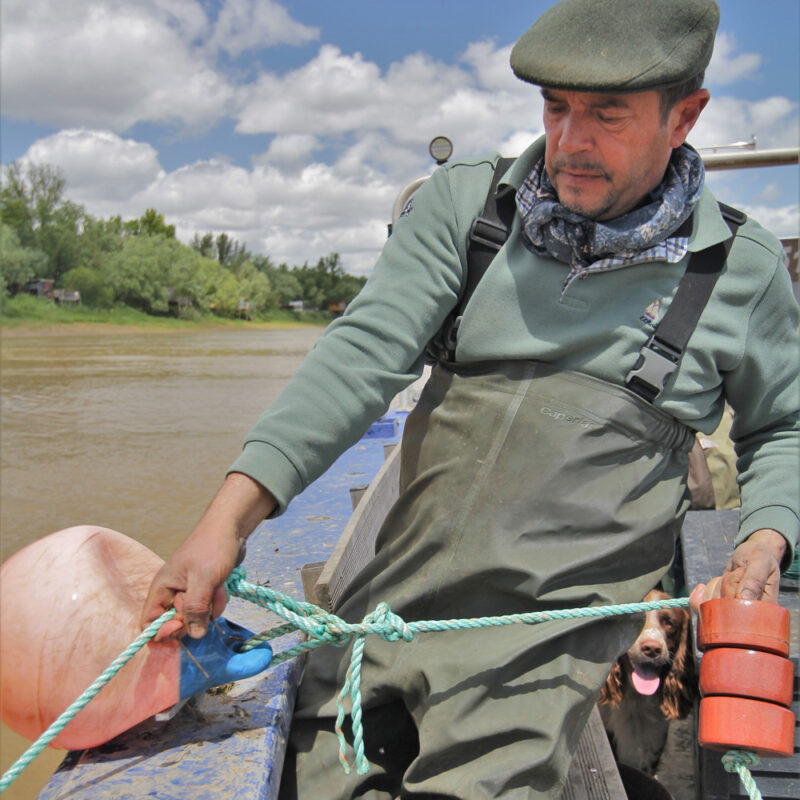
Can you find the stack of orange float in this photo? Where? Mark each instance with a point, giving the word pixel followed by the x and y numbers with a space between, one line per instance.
pixel 745 677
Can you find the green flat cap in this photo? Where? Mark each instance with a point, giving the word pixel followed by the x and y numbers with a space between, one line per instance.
pixel 616 46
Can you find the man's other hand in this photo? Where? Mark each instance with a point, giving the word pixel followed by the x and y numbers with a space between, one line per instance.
pixel 752 573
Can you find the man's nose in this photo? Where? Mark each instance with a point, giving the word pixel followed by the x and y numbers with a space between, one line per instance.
pixel 575 134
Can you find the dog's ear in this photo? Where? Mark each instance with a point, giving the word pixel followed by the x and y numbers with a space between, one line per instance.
pixel 680 684
pixel 611 693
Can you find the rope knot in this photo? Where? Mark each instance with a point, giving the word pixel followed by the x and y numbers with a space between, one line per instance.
pixel 327 628
pixel 734 759
pixel 392 627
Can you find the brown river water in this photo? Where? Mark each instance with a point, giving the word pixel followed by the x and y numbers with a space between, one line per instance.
pixel 129 428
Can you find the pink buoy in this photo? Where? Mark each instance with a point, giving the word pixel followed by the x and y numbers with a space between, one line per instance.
pixel 69 605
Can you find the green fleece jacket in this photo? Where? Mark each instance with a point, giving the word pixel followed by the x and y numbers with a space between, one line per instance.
pixel 745 348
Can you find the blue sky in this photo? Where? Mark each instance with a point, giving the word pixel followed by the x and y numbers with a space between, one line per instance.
pixel 293 125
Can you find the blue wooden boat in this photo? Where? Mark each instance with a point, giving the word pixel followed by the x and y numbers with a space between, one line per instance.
pixel 230 742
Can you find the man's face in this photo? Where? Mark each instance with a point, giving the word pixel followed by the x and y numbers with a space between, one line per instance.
pixel 605 152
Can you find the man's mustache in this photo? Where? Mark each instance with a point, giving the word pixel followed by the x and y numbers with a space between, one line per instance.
pixel 579 165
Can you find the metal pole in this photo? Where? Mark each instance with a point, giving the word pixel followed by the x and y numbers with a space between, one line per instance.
pixel 757 158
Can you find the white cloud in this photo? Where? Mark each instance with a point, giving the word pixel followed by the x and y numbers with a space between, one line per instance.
pixel 386 119
pixel 491 66
pixel 245 24
pixel 770 194
pixel 783 221
pixel 290 151
pixel 108 64
pixel 112 63
pixel 774 122
pixel 726 66
pixel 98 164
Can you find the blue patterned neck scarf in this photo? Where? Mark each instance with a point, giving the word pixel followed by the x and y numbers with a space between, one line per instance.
pixel 553 230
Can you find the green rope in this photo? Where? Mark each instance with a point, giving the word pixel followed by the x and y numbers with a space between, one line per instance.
pixel 61 722
pixel 739 762
pixel 325 628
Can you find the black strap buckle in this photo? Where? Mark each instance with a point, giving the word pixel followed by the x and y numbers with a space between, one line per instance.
pixel 657 361
pixel 488 233
pixel 451 339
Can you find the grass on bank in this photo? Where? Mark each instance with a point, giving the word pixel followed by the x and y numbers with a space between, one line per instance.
pixel 28 310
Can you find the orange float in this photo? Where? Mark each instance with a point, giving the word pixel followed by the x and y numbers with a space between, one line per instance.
pixel 738 723
pixel 745 678
pixel 754 624
pixel 747 673
pixel 69 605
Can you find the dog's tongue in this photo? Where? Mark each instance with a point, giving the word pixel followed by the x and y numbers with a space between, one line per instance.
pixel 645 685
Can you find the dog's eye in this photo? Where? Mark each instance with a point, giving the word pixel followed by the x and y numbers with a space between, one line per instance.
pixel 668 622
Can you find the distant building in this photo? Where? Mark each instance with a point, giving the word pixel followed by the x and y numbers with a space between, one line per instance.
pixel 39 287
pixel 177 302
pixel 244 308
pixel 66 296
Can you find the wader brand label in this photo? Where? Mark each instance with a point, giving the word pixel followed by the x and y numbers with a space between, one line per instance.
pixel 651 314
pixel 568 418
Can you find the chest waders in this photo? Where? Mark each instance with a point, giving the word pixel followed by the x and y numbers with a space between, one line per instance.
pixel 523 488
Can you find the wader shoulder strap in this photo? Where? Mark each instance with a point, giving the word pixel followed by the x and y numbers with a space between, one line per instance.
pixel 659 358
pixel 488 234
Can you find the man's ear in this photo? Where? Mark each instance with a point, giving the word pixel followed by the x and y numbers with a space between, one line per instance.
pixel 684 114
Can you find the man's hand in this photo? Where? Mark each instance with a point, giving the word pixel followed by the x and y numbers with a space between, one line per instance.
pixel 752 573
pixel 193 577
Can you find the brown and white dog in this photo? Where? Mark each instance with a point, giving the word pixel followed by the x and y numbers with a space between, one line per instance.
pixel 652 683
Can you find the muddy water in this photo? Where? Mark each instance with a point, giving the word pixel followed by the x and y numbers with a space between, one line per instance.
pixel 128 428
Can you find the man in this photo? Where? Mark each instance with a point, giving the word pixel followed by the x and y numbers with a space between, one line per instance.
pixel 532 477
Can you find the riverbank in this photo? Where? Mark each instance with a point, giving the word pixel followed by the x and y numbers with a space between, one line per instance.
pixel 34 313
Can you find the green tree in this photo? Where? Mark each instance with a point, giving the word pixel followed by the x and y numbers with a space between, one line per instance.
pixel 59 239
pixel 204 245
pixel 225 294
pixel 285 286
pixel 15 204
pixel 93 286
pixel 255 287
pixel 230 253
pixel 98 239
pixel 144 271
pixel 151 223
pixel 18 264
pixel 32 202
pixel 224 245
